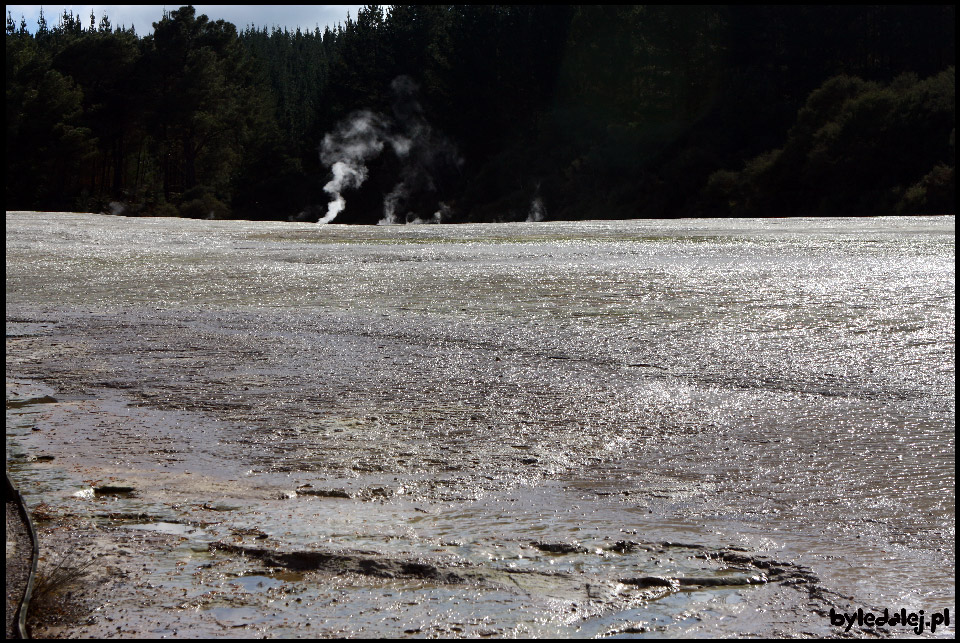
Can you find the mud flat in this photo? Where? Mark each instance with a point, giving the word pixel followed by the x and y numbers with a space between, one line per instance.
pixel 630 428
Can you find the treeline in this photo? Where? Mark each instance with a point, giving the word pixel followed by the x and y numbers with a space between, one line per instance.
pixel 858 148
pixel 578 112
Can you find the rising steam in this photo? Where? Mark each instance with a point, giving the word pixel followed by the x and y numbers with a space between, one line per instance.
pixel 347 150
pixel 424 155
pixel 537 211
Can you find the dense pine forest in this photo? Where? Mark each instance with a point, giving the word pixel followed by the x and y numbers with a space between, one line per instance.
pixel 489 113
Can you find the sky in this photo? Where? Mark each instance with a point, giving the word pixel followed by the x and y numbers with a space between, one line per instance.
pixel 142 16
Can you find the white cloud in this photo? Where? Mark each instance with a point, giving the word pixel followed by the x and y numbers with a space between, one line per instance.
pixel 143 16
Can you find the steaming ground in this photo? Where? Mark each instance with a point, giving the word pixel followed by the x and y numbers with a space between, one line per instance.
pixel 424 155
pixel 487 430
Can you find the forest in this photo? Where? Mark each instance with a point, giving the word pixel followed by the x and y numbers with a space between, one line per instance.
pixel 444 113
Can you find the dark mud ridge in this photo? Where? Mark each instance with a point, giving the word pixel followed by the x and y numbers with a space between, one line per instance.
pixel 751 569
pixel 365 563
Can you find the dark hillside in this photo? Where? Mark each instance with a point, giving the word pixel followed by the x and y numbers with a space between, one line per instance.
pixel 486 113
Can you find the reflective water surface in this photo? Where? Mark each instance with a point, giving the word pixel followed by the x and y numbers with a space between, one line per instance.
pixel 488 430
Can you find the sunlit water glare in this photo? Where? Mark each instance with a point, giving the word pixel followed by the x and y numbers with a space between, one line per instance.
pixel 783 385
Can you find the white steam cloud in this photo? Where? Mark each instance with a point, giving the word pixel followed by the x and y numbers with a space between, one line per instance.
pixel 537 211
pixel 361 137
pixel 346 151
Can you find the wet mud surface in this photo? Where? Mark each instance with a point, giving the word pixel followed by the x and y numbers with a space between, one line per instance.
pixel 17 566
pixel 703 428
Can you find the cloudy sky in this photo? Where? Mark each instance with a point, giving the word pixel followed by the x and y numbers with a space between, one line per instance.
pixel 142 16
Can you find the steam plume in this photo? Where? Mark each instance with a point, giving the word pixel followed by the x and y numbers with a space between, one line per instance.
pixel 537 211
pixel 424 154
pixel 347 150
